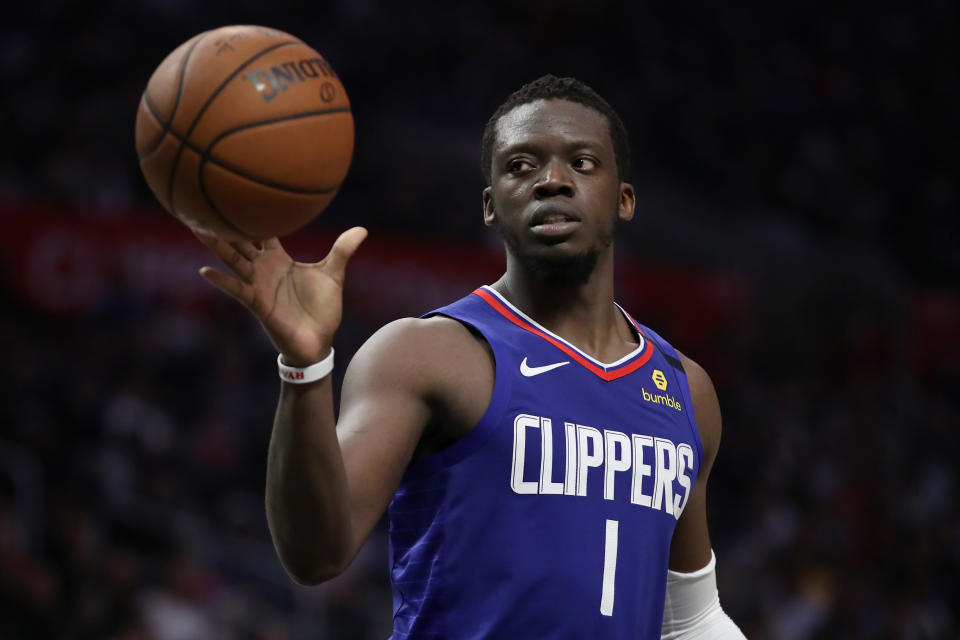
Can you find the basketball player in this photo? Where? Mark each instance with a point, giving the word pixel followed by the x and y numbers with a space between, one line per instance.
pixel 543 457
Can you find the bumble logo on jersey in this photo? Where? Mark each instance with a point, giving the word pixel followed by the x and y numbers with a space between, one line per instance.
pixel 659 379
pixel 665 399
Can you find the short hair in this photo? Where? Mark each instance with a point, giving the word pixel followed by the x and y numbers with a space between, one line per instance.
pixel 550 87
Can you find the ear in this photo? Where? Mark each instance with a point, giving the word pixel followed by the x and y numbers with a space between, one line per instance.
pixel 628 201
pixel 489 214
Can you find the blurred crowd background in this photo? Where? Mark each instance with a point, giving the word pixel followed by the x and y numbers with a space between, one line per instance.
pixel 797 234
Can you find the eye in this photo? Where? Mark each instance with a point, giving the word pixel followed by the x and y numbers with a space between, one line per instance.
pixel 519 165
pixel 584 163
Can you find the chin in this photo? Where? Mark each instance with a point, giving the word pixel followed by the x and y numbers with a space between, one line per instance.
pixel 560 263
pixel 572 269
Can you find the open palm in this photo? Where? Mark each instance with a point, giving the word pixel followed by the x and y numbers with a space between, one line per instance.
pixel 299 304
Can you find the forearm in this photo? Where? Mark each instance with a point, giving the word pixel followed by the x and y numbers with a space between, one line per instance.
pixel 307 494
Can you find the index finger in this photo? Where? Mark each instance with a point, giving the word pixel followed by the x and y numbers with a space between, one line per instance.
pixel 229 254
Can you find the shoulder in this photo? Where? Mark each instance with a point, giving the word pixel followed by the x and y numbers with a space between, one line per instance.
pixel 706 407
pixel 435 374
pixel 415 340
pixel 421 352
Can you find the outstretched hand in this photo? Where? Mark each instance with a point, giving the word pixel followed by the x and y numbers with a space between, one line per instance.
pixel 300 305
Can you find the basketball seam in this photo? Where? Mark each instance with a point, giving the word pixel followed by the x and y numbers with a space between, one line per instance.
pixel 213 207
pixel 176 103
pixel 243 174
pixel 203 109
pixel 164 126
pixel 207 157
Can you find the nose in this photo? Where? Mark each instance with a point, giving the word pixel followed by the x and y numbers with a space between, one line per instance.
pixel 555 180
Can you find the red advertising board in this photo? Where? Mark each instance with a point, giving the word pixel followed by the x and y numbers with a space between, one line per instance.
pixel 71 260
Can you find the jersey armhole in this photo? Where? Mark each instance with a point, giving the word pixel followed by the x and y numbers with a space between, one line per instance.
pixel 680 375
pixel 691 417
pixel 483 429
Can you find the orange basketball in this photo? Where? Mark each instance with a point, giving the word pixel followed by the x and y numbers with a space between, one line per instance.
pixel 245 131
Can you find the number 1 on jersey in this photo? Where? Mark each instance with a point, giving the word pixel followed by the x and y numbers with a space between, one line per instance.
pixel 609 568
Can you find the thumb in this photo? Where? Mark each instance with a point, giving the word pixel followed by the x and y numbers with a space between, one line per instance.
pixel 343 249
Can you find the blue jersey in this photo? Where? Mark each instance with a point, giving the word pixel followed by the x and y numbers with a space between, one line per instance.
pixel 552 517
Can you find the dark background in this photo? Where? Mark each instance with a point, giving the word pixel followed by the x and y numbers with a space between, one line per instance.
pixel 796 233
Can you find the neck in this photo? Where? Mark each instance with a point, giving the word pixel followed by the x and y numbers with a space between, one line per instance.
pixel 583 314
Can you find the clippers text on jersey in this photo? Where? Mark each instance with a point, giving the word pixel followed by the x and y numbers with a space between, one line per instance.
pixel 657 465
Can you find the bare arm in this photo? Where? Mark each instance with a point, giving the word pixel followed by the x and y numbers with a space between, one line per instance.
pixel 327 486
pixel 692 608
pixel 299 306
pixel 690 547
pixel 329 481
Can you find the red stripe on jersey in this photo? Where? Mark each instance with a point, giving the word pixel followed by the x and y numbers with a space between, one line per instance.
pixel 613 374
pixel 636 325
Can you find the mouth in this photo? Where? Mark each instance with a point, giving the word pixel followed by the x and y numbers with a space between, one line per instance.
pixel 554 221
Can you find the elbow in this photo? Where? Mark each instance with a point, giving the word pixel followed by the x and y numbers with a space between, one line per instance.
pixel 311 557
pixel 309 572
pixel 311 576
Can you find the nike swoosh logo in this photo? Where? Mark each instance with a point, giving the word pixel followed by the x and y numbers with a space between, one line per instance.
pixel 529 372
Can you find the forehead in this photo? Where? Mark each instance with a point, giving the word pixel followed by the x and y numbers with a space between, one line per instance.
pixel 544 120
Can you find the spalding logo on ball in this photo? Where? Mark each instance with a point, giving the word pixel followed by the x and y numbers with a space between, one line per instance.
pixel 244 131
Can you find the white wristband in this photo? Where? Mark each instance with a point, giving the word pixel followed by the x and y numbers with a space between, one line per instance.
pixel 303 375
